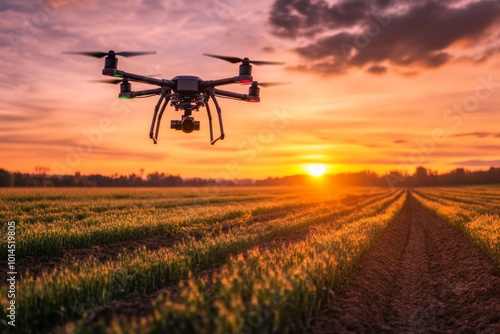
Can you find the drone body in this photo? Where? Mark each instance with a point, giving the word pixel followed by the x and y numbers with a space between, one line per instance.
pixel 184 92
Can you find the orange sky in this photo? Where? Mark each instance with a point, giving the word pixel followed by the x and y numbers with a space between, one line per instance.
pixel 420 86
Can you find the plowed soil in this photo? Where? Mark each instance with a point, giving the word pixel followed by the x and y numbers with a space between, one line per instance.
pixel 422 276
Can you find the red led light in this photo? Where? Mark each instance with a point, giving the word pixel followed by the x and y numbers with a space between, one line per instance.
pixel 245 81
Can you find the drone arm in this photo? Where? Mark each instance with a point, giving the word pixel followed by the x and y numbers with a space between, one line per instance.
pixel 143 79
pixel 133 94
pixel 220 82
pixel 243 97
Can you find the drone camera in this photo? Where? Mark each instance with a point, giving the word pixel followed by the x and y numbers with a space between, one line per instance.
pixel 186 124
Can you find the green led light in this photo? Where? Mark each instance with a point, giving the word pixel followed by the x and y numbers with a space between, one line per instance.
pixel 117 75
pixel 123 97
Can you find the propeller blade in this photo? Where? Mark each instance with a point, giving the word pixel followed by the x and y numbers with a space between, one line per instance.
pixel 262 62
pixel 271 84
pixel 98 54
pixel 232 60
pixel 109 81
pixel 86 53
pixel 135 53
pixel 235 60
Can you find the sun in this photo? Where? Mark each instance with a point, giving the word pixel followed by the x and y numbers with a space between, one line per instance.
pixel 316 170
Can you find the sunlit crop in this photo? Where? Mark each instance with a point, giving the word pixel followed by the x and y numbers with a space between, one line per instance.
pixel 236 230
pixel 473 210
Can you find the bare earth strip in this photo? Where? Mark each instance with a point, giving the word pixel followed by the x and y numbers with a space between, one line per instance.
pixel 422 276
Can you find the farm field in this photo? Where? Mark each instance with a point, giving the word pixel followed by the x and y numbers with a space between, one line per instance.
pixel 248 260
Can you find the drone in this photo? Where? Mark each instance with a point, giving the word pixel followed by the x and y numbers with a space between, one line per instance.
pixel 184 92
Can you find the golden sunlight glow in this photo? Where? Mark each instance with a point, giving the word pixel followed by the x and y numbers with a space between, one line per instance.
pixel 316 170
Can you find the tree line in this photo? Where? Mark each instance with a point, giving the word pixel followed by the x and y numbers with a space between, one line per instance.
pixel 421 178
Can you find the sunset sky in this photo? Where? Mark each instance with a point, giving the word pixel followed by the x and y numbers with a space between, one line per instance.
pixel 376 85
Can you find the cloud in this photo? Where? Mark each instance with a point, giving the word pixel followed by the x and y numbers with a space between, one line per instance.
pixel 369 34
pixel 478 134
pixel 377 69
pixel 56 147
pixel 6 118
pixel 24 141
pixel 293 18
pixel 477 163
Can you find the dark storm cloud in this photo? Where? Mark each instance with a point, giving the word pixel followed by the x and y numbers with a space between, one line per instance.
pixel 292 18
pixel 376 69
pixel 364 34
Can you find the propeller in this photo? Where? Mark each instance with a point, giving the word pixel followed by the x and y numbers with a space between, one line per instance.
pixel 110 54
pixel 235 60
pixel 270 84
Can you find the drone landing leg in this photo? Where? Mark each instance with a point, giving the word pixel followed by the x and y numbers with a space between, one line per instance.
pixel 209 121
pixel 155 115
pixel 164 94
pixel 167 99
pixel 219 115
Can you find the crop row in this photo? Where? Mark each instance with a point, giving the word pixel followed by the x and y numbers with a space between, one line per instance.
pixel 131 219
pixel 66 293
pixel 486 197
pixel 481 223
pixel 274 290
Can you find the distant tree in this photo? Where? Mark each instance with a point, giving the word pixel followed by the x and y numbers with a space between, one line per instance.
pixel 6 178
pixel 421 178
pixel 396 179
